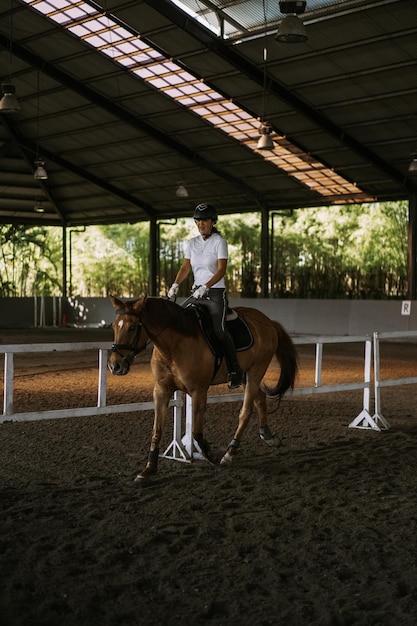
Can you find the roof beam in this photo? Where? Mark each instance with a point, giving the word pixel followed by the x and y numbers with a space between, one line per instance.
pixel 29 148
pixel 104 103
pixel 27 153
pixel 219 47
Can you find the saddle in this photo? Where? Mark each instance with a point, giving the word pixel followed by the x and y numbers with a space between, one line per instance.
pixel 237 327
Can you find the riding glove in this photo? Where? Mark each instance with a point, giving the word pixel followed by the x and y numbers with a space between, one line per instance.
pixel 200 292
pixel 173 290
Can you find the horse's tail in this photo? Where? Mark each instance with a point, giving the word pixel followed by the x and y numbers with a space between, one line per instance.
pixel 287 357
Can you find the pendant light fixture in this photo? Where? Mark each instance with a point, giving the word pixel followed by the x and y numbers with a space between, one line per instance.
pixel 292 29
pixel 265 142
pixel 39 208
pixel 9 103
pixel 181 190
pixel 412 168
pixel 40 171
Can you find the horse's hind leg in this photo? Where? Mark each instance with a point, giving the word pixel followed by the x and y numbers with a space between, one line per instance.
pixel 264 431
pixel 244 415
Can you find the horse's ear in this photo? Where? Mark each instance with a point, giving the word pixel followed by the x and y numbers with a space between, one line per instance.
pixel 140 302
pixel 117 304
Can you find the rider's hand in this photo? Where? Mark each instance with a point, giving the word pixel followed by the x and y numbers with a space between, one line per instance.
pixel 173 290
pixel 200 292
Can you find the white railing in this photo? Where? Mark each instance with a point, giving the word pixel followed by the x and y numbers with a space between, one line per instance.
pixel 378 418
pixel 183 447
pixel 100 409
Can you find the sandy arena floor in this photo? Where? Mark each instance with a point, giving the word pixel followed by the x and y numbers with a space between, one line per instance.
pixel 320 531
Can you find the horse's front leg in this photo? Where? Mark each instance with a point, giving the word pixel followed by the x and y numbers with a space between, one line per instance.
pixel 161 400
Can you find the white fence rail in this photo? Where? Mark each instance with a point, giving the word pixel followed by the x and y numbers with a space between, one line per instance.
pixel 378 418
pixel 182 447
pixel 103 409
pixel 100 409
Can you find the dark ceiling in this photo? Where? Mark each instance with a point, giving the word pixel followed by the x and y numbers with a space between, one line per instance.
pixel 342 106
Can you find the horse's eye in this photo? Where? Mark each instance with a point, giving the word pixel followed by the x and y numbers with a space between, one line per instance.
pixel 132 328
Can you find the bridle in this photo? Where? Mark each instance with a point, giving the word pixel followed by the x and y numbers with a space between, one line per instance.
pixel 133 347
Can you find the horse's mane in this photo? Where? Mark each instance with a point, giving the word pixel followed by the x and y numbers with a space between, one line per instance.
pixel 183 321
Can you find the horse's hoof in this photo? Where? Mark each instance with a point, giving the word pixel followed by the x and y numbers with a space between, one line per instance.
pixel 204 452
pixel 269 438
pixel 274 442
pixel 226 459
pixel 270 441
pixel 142 481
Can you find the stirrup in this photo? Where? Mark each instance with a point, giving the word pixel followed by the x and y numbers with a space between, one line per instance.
pixel 236 379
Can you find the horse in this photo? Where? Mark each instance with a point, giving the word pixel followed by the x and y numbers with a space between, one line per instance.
pixel 183 359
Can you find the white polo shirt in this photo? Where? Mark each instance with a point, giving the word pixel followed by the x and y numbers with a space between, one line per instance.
pixel 203 255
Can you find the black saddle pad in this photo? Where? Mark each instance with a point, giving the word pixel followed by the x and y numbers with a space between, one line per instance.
pixel 240 333
pixel 237 327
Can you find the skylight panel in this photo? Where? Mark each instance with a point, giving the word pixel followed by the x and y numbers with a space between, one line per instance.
pixel 98 29
pixel 206 19
pixel 62 11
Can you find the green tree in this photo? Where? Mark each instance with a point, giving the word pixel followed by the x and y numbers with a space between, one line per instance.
pixel 244 265
pixel 173 236
pixel 111 259
pixel 30 261
pixel 353 251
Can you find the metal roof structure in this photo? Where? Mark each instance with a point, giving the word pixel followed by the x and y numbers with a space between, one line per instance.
pixel 125 99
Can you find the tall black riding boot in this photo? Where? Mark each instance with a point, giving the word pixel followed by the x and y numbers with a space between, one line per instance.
pixel 236 376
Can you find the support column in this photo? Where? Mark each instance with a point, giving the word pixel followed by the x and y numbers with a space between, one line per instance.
pixel 265 253
pixel 412 247
pixel 64 261
pixel 153 257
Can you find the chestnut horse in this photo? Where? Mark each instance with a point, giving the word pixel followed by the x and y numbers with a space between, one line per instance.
pixel 182 359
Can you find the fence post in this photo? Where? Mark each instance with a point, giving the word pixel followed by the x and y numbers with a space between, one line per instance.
pixel 8 383
pixel 378 417
pixel 102 377
pixel 319 363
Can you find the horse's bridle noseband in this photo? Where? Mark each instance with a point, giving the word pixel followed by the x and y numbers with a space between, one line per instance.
pixel 133 347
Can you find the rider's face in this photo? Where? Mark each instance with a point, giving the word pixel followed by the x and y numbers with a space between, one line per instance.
pixel 205 227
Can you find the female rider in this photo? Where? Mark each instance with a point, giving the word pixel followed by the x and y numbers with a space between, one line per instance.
pixel 206 255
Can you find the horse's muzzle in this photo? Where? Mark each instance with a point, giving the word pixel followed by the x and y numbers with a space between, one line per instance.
pixel 118 368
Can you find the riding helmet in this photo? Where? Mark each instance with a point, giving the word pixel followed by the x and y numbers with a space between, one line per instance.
pixel 205 212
